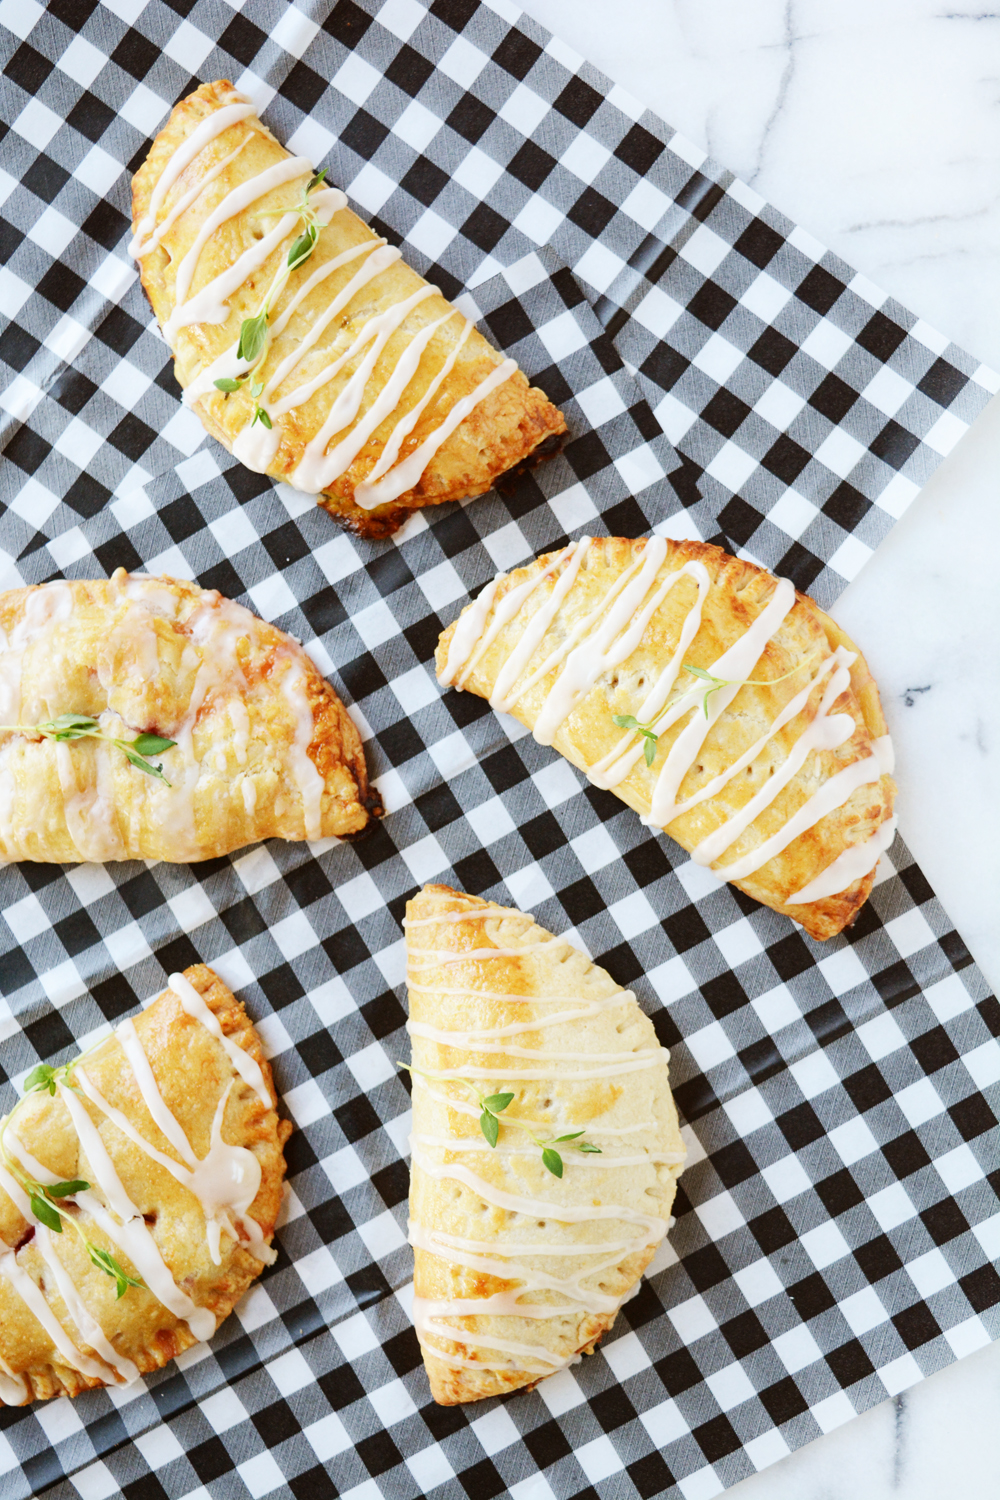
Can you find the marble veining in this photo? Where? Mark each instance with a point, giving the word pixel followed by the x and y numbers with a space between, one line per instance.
pixel 876 125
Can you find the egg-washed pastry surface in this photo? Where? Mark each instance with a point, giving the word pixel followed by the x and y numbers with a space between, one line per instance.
pixel 139 1189
pixel 782 787
pixel 377 395
pixel 260 746
pixel 531 1219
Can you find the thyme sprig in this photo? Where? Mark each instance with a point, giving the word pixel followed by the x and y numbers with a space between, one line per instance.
pixel 254 330
pixel 649 731
pixel 492 1106
pixel 83 727
pixel 46 1198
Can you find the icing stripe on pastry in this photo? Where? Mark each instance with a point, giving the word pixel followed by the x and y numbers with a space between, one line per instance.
pixel 218 121
pixel 131 1234
pixel 35 1301
pixel 209 305
pixel 406 474
pixel 851 865
pixel 246 1066
pixel 89 1328
pixel 607 636
pixel 449 1156
pixel 184 203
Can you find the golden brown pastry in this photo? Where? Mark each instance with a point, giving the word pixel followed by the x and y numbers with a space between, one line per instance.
pixel 533 1219
pixel 260 746
pixel 783 787
pixel 139 1189
pixel 378 396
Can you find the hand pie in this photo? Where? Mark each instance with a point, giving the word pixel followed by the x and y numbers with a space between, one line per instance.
pixel 377 395
pixel 531 1224
pixel 770 763
pixel 157 1156
pixel 263 746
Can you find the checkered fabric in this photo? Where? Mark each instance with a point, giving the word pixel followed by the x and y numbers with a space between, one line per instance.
pixel 806 407
pixel 839 1215
pixel 836 1224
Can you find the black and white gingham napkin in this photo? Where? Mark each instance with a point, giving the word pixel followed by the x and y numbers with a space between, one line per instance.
pixel 838 1219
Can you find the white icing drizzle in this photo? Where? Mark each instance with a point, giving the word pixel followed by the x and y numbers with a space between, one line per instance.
pixel 885 753
pixel 34 1299
pixel 224 1182
pixel 44 608
pixel 86 1324
pixel 853 864
pixel 210 128
pixel 131 1234
pixel 317 469
pixel 215 627
pixel 406 474
pixel 607 636
pixel 369 493
pixel 538 1208
pixel 380 257
pixel 230 366
pixel 443 956
pixel 245 1065
pixel 831 795
pixel 826 732
pixel 90 811
pixel 734 665
pixel 309 782
pixel 633 1062
pixel 184 203
pixel 605 1163
pixel 13 1388
pixel 449 1156
pixel 209 304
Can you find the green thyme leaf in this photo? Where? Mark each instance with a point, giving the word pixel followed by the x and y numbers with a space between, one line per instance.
pixel 66 1189
pixel 705 676
pixel 625 721
pixel 553 1161
pixel 225 384
pixel 497 1103
pixel 253 336
pixel 69 727
pixel 593 1150
pixel 143 765
pixel 257 388
pixel 105 1261
pixel 45 1213
pixel 575 1135
pixel 303 247
pixel 42 1077
pixel 152 744
pixel 490 1126
pixel 317 179
pixel 261 416
pixel 649 749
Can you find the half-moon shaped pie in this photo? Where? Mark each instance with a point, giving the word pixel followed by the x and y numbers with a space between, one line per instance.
pixel 522 1260
pixel 167 1134
pixel 770 763
pixel 379 397
pixel 264 747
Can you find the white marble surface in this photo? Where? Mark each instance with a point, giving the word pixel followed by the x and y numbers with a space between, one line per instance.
pixel 876 125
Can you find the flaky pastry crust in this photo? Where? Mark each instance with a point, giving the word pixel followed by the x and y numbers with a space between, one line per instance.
pixel 738 594
pixel 256 725
pixel 512 424
pixel 192 1071
pixel 625 1107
